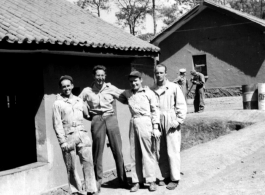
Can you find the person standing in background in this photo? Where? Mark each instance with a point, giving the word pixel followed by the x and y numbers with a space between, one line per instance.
pixel 198 79
pixel 182 81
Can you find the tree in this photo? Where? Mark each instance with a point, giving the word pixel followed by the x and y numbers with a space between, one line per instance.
pixel 94 6
pixel 253 7
pixel 154 14
pixel 172 13
pixel 132 13
pixel 169 14
pixel 146 36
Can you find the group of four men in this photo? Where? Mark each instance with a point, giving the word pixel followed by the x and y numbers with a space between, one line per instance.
pixel 154 135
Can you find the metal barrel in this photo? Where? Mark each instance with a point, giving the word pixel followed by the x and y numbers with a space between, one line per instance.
pixel 261 96
pixel 250 96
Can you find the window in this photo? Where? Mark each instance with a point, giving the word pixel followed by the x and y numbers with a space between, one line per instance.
pixel 200 64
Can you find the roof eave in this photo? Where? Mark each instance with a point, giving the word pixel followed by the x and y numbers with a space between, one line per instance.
pixel 206 3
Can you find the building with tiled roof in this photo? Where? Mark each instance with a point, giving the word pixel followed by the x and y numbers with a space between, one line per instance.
pixel 59 22
pixel 41 40
pixel 224 44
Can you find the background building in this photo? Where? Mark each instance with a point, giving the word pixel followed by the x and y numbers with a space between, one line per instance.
pixel 226 45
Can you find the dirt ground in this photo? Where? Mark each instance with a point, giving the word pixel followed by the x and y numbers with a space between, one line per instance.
pixel 232 164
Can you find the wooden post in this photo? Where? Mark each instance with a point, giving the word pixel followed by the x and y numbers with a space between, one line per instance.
pixel 155 63
pixel 261 9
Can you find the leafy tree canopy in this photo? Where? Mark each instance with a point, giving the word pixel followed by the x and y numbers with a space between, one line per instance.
pixel 94 6
pixel 132 13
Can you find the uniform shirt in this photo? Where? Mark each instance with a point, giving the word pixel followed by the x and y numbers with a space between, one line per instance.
pixel 199 78
pixel 142 103
pixel 66 113
pixel 182 81
pixel 100 100
pixel 171 101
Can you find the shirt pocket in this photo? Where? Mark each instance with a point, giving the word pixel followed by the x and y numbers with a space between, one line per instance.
pixel 107 99
pixel 79 107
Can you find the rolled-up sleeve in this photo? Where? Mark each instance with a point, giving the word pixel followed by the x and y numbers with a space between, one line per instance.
pixel 57 124
pixel 155 114
pixel 123 97
pixel 119 94
pixel 83 95
pixel 181 106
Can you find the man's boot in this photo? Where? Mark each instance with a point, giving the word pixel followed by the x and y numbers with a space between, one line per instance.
pixel 152 187
pixel 135 187
pixel 172 185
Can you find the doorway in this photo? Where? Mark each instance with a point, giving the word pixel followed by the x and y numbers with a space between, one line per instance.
pixel 21 94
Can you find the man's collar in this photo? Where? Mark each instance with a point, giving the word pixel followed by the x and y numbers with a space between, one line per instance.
pixel 103 86
pixel 140 90
pixel 65 99
pixel 164 85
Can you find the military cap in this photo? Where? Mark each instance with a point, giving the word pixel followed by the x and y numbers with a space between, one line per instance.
pixel 135 73
pixel 182 70
pixel 66 77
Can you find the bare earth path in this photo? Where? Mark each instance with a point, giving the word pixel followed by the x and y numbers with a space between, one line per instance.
pixel 233 164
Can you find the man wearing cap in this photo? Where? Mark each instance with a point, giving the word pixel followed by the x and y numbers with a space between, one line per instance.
pixel 99 98
pixel 198 79
pixel 182 81
pixel 173 110
pixel 68 113
pixel 143 125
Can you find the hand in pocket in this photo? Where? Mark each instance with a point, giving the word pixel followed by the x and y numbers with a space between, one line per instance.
pixel 174 123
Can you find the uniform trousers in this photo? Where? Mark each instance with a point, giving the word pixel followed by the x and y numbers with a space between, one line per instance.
pixel 199 99
pixel 100 127
pixel 143 158
pixel 84 151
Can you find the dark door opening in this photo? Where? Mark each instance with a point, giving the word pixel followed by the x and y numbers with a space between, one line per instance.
pixel 21 95
pixel 200 64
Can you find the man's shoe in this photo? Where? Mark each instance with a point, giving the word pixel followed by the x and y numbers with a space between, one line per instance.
pixel 152 187
pixel 125 185
pixel 172 185
pixel 161 183
pixel 135 187
pixel 98 187
pixel 92 193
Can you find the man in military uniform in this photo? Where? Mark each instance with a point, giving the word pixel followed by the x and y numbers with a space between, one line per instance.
pixel 173 110
pixel 99 98
pixel 68 113
pixel 182 81
pixel 143 129
pixel 198 79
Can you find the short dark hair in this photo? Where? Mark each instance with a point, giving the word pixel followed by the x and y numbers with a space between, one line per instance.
pixel 161 65
pixel 99 67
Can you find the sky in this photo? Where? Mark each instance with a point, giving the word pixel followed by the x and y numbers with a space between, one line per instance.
pixel 147 26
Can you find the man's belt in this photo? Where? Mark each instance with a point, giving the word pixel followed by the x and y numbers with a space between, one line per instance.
pixel 140 115
pixel 102 114
pixel 74 126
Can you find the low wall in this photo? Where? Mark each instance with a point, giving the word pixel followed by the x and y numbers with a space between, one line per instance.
pixel 49 172
pixel 218 92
